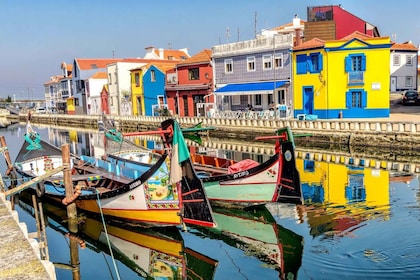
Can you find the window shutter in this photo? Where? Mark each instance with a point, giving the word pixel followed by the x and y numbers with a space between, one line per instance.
pixel 364 99
pixel 347 63
pixel 301 64
pixel 320 62
pixel 363 63
pixel 310 65
pixel 348 99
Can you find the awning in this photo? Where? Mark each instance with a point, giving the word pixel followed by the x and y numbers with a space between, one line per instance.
pixel 249 88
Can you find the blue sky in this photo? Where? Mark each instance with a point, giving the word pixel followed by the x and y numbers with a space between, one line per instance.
pixel 36 36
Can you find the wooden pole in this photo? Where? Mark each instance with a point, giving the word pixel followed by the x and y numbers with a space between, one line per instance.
pixel 71 212
pixel 6 155
pixel 68 184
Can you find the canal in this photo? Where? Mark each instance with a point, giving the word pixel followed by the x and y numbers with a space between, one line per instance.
pixel 359 221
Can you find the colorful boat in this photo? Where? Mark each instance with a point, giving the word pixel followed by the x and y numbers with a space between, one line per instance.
pixel 256 232
pixel 164 193
pixel 157 253
pixel 240 184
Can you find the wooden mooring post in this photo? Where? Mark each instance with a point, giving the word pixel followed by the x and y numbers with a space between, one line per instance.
pixel 71 213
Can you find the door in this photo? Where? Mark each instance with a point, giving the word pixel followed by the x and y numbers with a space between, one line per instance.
pixel 393 84
pixel 308 101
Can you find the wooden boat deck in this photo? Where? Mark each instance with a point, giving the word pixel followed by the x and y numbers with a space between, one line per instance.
pixel 105 174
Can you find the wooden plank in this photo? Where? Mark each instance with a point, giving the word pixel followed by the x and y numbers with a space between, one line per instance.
pixel 34 181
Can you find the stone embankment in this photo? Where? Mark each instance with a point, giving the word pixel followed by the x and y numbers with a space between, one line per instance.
pixel 372 132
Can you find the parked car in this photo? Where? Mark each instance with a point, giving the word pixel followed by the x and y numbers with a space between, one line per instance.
pixel 40 110
pixel 410 96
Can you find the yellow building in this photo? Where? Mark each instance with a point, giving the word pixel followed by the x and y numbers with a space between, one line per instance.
pixel 137 92
pixel 346 78
pixel 341 197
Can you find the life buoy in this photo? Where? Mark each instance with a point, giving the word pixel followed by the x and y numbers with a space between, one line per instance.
pixel 40 189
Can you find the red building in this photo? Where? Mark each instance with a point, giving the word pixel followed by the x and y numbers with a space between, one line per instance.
pixel 189 86
pixel 333 23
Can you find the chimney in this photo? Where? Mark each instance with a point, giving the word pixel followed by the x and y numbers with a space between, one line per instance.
pixel 161 53
pixel 297 27
pixel 298 38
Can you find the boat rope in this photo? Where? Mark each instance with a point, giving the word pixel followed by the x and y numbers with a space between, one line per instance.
pixel 106 235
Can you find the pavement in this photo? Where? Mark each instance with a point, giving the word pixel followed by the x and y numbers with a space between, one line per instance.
pixel 403 113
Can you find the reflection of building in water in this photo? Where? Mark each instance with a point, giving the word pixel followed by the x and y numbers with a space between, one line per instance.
pixel 340 196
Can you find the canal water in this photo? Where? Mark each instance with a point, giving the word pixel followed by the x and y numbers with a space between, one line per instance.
pixel 356 223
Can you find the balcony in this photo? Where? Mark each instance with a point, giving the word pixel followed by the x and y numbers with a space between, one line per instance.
pixel 356 78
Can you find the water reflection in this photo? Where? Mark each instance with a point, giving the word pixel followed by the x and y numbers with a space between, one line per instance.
pixel 340 198
pixel 357 222
pixel 150 253
pixel 256 232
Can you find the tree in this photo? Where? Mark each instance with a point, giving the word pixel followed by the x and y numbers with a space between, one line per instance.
pixel 8 99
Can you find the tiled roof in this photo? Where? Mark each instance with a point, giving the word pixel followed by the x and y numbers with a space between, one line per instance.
pixel 356 35
pixel 162 65
pixel 203 56
pixel 99 75
pixel 311 44
pixel 88 64
pixel 407 46
pixel 54 80
pixel 172 54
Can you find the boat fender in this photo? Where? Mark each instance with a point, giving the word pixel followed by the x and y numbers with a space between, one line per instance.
pixel 40 189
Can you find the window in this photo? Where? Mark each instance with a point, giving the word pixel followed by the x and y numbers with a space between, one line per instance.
pixel 228 65
pixel 278 60
pixel 356 99
pixel 397 60
pixel 185 101
pixel 109 78
pixel 116 77
pixel 267 62
pixel 315 65
pixel 408 81
pixel 311 63
pixel 137 79
pixel 257 100
pixel 409 60
pixel 250 62
pixel 152 76
pixel 193 74
pixel 355 62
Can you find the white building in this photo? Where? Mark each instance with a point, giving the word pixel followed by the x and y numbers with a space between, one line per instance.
pixel 403 70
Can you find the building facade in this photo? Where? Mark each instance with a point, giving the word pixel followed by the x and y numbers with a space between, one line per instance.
pixel 255 72
pixel 190 84
pixel 347 78
pixel 332 22
pixel 403 67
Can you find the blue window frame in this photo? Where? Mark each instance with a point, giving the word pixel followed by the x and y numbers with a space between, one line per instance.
pixel 355 62
pixel 356 98
pixel 311 63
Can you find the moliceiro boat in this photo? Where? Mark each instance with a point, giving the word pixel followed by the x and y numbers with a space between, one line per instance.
pixel 152 253
pixel 233 184
pixel 166 192
pixel 247 183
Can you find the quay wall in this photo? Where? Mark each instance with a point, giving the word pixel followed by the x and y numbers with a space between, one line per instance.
pixel 348 131
pixel 381 144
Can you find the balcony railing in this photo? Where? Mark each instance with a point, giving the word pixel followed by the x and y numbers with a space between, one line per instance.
pixel 356 78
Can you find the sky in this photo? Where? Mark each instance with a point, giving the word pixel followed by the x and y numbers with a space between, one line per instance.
pixel 36 36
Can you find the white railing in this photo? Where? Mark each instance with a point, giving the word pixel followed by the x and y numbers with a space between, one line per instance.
pixel 260 123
